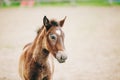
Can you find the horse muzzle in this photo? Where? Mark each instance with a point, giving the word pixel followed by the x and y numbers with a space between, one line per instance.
pixel 61 56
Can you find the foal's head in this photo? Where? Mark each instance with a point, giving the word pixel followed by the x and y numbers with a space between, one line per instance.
pixel 54 38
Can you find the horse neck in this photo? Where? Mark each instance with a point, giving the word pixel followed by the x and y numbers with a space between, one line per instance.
pixel 37 47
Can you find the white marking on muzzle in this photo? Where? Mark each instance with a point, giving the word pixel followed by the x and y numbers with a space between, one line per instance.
pixel 61 56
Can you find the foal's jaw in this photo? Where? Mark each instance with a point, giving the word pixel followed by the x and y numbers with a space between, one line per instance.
pixel 61 56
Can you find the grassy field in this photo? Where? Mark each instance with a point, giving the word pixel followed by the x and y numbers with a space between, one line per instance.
pixel 77 3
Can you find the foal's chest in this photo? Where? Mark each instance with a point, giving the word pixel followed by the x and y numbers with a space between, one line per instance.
pixel 43 72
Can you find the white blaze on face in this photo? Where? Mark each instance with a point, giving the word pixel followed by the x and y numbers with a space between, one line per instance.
pixel 58 32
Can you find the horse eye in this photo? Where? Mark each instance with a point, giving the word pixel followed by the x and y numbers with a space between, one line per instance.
pixel 53 37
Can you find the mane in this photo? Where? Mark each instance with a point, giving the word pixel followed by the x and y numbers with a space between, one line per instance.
pixel 38 41
pixel 40 30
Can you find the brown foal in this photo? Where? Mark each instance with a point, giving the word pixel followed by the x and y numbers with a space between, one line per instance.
pixel 36 61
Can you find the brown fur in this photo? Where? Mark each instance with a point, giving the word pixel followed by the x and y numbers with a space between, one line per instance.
pixel 32 66
pixel 34 63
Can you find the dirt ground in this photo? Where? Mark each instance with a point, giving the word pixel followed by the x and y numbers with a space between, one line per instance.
pixel 92 41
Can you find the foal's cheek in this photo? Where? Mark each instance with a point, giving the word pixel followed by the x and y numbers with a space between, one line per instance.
pixel 53 43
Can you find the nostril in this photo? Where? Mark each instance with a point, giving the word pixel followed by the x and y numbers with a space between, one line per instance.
pixel 63 57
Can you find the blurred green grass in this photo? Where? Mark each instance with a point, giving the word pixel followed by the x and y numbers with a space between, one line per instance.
pixel 77 3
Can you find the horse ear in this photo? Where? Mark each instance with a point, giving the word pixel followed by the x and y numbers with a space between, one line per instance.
pixel 46 22
pixel 62 22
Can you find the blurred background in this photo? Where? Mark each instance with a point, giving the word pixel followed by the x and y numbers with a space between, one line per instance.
pixel 92 36
pixel 57 2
